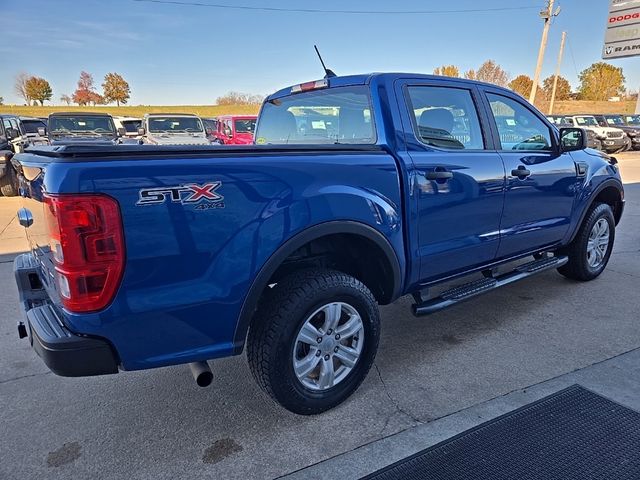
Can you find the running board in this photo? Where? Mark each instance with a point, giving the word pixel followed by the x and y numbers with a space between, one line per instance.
pixel 469 290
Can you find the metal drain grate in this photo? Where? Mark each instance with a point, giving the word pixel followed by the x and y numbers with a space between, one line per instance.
pixel 574 434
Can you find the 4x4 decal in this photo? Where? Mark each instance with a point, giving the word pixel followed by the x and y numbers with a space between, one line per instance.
pixel 204 195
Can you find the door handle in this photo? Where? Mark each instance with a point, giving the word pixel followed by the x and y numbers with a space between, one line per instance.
pixel 438 175
pixel 521 172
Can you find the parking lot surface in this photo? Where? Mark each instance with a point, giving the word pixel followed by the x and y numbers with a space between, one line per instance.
pixel 158 424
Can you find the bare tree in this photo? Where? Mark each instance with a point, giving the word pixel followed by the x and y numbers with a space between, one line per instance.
pixel 20 86
pixel 491 72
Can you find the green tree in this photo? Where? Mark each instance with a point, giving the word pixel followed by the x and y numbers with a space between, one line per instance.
pixel 116 89
pixel 38 89
pixel 491 72
pixel 447 71
pixel 563 89
pixel 601 81
pixel 1 100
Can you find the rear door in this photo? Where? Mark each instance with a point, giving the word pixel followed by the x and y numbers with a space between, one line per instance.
pixel 541 181
pixel 458 181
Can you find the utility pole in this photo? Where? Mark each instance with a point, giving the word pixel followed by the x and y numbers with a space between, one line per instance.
pixel 555 77
pixel 546 15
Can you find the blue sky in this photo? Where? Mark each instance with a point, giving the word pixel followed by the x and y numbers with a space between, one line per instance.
pixel 172 54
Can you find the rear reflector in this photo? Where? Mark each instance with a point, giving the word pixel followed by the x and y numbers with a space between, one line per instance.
pixel 87 245
pixel 305 87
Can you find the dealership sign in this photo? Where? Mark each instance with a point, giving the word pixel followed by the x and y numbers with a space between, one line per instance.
pixel 622 36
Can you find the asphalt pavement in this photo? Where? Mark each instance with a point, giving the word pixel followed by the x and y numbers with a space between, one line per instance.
pixel 158 424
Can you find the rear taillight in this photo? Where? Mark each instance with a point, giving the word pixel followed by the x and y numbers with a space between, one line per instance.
pixel 87 245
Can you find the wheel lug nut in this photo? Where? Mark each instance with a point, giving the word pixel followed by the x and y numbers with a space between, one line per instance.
pixel 318 353
pixel 329 332
pixel 326 357
pixel 319 339
pixel 337 336
pixel 335 349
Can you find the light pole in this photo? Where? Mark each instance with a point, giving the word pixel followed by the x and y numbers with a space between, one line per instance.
pixel 546 15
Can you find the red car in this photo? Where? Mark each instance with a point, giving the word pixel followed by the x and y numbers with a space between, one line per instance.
pixel 235 129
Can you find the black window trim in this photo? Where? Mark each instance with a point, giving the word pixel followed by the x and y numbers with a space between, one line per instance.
pixel 553 132
pixel 487 140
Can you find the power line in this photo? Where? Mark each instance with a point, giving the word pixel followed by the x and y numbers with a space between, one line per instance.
pixel 348 12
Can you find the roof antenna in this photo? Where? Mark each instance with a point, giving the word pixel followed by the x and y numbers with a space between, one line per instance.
pixel 327 72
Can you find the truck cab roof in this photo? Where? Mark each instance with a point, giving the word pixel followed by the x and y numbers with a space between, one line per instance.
pixel 365 79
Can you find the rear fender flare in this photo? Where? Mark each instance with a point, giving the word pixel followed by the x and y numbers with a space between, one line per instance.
pixel 271 265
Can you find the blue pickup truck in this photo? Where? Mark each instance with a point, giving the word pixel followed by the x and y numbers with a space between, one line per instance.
pixel 358 190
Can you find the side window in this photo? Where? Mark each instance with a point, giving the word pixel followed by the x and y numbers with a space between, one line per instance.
pixel 3 137
pixel 445 117
pixel 518 127
pixel 14 124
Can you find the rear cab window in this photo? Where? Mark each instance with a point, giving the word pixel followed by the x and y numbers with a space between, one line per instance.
pixel 31 126
pixel 332 116
pixel 445 117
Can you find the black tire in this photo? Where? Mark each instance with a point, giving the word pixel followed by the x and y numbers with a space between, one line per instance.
pixel 9 183
pixel 578 267
pixel 272 337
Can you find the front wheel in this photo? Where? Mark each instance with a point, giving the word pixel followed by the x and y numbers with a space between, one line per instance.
pixel 314 340
pixel 590 250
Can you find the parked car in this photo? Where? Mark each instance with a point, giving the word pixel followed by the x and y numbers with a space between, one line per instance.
pixel 235 129
pixel 633 120
pixel 173 129
pixel 561 121
pixel 82 128
pixel 130 126
pixel 13 139
pixel 144 257
pixel 613 139
pixel 210 128
pixel 617 121
pixel 35 130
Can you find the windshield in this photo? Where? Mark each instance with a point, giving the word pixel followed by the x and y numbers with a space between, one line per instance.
pixel 586 121
pixel 616 120
pixel 31 126
pixel 245 125
pixel 633 119
pixel 131 126
pixel 330 116
pixel 175 125
pixel 93 124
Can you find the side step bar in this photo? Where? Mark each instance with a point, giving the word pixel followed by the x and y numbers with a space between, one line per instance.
pixel 469 290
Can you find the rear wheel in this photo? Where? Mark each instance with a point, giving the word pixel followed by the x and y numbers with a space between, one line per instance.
pixel 9 183
pixel 314 340
pixel 590 250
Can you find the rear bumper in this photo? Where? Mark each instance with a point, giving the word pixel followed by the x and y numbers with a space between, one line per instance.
pixel 62 351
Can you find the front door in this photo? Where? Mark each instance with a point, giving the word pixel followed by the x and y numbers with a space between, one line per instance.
pixel 541 181
pixel 457 183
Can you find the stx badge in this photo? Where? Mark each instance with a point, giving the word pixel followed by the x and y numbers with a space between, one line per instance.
pixel 204 195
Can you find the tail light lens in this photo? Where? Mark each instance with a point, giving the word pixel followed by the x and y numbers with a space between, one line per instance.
pixel 87 245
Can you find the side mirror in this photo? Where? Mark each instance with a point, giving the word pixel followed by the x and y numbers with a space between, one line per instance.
pixel 42 131
pixel 572 139
pixel 12 133
pixel 122 132
pixel 208 131
pixel 141 131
